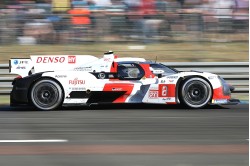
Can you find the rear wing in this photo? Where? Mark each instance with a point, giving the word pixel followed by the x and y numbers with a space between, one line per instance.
pixel 43 63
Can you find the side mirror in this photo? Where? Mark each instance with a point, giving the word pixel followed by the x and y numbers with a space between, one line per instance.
pixel 159 75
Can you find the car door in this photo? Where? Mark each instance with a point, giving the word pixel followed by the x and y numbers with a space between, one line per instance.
pixel 137 78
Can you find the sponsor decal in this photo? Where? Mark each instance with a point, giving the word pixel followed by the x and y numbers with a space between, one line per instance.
pixel 222 101
pixel 107 59
pixel 52 59
pixel 20 62
pixel 153 94
pixel 23 62
pixel 83 69
pixel 163 81
pixel 211 77
pixel 116 89
pixel 15 62
pixel 20 67
pixel 77 89
pixel 172 77
pixel 71 59
pixel 60 76
pixel 154 88
pixel 76 82
pixel 167 99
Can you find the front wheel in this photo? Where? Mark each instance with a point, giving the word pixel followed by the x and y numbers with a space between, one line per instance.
pixel 196 92
pixel 46 94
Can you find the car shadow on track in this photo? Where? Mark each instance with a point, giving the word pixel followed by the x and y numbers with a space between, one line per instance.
pixel 114 107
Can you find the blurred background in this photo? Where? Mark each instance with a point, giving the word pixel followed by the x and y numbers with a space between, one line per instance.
pixel 172 30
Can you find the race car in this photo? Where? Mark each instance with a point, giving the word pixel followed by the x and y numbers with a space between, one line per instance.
pixel 51 81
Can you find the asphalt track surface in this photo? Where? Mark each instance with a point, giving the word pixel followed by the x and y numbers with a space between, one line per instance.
pixel 125 135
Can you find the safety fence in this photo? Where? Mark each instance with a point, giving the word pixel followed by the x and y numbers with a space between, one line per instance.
pixel 235 73
pixel 116 24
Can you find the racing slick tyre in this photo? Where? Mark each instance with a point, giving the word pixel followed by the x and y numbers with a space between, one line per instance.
pixel 196 92
pixel 46 94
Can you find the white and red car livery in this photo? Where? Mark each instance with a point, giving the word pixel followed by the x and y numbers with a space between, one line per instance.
pixel 48 82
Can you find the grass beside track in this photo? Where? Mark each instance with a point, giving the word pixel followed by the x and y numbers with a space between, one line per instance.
pixel 4 99
pixel 168 52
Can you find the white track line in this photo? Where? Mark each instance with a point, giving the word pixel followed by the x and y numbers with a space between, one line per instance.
pixel 33 141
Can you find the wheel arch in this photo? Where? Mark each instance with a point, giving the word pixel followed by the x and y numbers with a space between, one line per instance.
pixel 182 80
pixel 41 78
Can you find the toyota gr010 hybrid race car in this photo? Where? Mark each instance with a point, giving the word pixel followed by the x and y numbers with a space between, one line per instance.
pixel 48 82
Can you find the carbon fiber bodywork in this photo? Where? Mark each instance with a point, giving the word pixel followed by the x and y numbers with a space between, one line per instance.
pixel 20 92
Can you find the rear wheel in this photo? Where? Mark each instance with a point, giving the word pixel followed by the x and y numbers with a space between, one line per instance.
pixel 46 94
pixel 196 92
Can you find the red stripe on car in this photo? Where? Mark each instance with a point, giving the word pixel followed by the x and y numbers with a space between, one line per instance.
pixel 119 87
pixel 218 94
pixel 148 73
pixel 113 68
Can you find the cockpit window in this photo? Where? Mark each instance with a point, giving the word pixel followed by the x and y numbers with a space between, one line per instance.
pixel 130 71
pixel 164 69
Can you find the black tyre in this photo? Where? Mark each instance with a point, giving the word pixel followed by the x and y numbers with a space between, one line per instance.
pixel 196 92
pixel 46 94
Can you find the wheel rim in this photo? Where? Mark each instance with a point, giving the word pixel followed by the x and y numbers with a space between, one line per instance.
pixel 196 93
pixel 46 95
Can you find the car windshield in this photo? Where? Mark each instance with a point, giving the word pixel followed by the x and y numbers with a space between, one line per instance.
pixel 164 70
pixel 130 71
